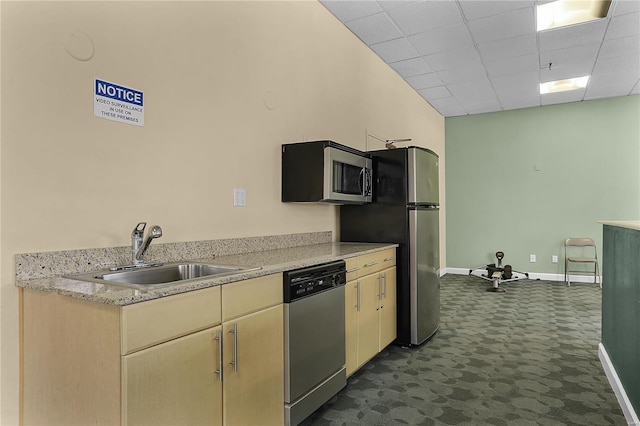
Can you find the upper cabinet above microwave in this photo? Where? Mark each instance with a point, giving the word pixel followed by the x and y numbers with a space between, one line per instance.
pixel 325 172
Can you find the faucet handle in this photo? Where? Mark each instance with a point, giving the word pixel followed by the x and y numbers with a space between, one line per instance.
pixel 138 231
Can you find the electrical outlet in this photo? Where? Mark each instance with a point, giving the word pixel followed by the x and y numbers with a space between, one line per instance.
pixel 239 197
pixel 532 258
pixel 554 259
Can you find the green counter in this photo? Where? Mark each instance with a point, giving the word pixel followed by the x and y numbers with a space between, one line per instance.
pixel 621 304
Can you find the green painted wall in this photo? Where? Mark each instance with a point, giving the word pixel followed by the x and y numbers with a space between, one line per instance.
pixel 522 181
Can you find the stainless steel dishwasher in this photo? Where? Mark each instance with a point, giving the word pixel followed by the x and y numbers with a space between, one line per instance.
pixel 314 339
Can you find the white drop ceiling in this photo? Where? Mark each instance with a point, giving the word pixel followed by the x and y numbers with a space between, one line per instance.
pixel 475 56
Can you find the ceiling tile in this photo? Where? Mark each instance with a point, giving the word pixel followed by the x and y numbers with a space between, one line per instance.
pixel 395 50
pixel 519 100
pixel 626 46
pixel 472 91
pixel 574 35
pixel 512 65
pixel 607 65
pixel 374 29
pixel 625 78
pixel 448 107
pixel 562 97
pixel 482 107
pixel 506 25
pixel 424 81
pixel 347 10
pixel 508 48
pixel 527 83
pixel 567 70
pixel 392 4
pixel 625 6
pixel 623 26
pixel 612 87
pixel 474 9
pixel 457 75
pixel 411 67
pixel 425 15
pixel 435 92
pixel 465 57
pixel 447 38
pixel 559 57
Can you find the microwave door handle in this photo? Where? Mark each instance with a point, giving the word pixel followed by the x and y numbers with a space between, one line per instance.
pixel 366 179
pixel 362 182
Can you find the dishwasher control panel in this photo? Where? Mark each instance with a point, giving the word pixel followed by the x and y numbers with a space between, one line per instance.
pixel 303 282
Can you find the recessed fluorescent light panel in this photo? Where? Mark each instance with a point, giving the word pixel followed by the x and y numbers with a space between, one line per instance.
pixel 564 85
pixel 568 12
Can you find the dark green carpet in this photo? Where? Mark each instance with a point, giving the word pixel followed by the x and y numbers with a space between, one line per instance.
pixel 525 357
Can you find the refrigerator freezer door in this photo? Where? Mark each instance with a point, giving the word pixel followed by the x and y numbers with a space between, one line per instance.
pixel 423 179
pixel 424 273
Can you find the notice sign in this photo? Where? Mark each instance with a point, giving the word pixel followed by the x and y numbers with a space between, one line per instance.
pixel 118 103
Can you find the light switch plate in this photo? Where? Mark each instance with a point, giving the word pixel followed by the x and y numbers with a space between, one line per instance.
pixel 239 197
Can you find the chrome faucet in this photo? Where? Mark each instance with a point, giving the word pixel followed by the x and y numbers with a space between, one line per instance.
pixel 138 248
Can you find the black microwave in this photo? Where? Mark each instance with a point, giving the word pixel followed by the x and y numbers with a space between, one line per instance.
pixel 325 172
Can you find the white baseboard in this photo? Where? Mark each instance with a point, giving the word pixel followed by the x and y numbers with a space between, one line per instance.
pixel 616 385
pixel 532 275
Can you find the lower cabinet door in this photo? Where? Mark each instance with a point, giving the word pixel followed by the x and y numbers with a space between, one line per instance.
pixel 388 319
pixel 368 318
pixel 253 377
pixel 174 382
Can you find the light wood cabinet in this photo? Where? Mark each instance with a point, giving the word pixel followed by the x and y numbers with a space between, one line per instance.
pixel 155 362
pixel 253 380
pixel 253 359
pixel 370 307
pixel 388 308
pixel 368 324
pixel 174 382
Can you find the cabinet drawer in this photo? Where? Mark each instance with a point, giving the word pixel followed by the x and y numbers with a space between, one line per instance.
pixel 149 323
pixel 388 258
pixel 368 263
pixel 352 268
pixel 248 296
pixel 371 263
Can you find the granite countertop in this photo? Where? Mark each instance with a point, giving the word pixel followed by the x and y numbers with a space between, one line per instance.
pixel 631 224
pixel 269 262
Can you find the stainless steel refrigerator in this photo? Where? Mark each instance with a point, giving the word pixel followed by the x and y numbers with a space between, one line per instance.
pixel 405 210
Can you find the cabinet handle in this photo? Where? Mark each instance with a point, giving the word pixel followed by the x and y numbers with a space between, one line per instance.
pixel 366 265
pixel 384 277
pixel 353 270
pixel 388 259
pixel 358 297
pixel 234 361
pixel 219 339
pixel 380 287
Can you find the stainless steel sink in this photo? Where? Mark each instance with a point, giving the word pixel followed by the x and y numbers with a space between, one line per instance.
pixel 160 276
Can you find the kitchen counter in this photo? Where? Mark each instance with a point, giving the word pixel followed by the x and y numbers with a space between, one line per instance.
pixel 620 347
pixel 270 262
pixel 630 224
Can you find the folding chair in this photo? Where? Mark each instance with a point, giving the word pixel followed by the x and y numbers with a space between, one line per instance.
pixel 580 251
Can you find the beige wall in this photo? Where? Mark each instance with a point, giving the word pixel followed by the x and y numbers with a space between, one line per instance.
pixel 71 181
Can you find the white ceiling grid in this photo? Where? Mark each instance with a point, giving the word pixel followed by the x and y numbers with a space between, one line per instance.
pixel 475 56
